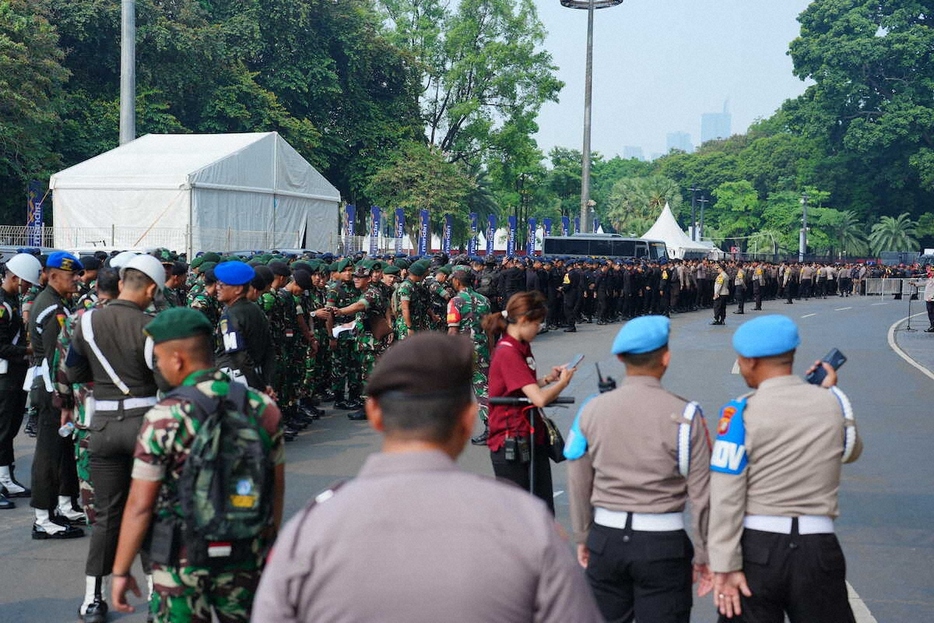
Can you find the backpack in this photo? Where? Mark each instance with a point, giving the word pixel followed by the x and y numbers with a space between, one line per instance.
pixel 226 486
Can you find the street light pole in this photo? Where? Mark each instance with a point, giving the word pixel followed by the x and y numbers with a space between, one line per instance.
pixel 702 201
pixel 803 234
pixel 128 72
pixel 590 6
pixel 694 212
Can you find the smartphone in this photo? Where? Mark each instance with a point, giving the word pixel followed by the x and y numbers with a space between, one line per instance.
pixel 835 358
pixel 576 361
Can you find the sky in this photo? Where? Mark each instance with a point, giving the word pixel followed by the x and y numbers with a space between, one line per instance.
pixel 660 64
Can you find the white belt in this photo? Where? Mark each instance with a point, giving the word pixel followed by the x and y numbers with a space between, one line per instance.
pixel 807 524
pixel 642 522
pixel 126 403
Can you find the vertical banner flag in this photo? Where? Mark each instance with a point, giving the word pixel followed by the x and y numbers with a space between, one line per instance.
pixel 490 234
pixel 565 226
pixel 530 238
pixel 34 215
pixel 350 219
pixel 400 228
pixel 376 227
pixel 577 224
pixel 472 241
pixel 511 236
pixel 424 229
pixel 546 226
pixel 446 233
pixel 596 224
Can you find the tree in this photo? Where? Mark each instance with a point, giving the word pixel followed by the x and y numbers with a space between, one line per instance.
pixel 31 79
pixel 736 211
pixel 846 232
pixel 636 202
pixel 893 234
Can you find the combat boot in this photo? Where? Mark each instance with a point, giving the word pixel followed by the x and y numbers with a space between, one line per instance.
pixel 6 504
pixel 94 608
pixel 8 485
pixel 32 422
pixel 47 527
pixel 67 512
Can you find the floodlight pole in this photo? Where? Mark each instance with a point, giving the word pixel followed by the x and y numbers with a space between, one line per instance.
pixel 702 201
pixel 694 212
pixel 803 235
pixel 128 72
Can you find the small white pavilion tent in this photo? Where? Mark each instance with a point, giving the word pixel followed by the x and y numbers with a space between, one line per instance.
pixel 196 192
pixel 667 230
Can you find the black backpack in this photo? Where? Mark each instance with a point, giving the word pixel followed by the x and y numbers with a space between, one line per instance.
pixel 226 486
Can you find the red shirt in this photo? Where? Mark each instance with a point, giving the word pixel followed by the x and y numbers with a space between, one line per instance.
pixel 512 368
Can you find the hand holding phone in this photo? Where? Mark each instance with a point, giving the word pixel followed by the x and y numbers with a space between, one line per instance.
pixel 576 361
pixel 817 375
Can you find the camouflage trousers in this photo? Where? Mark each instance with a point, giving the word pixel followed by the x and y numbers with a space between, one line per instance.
pixel 346 368
pixel 83 465
pixel 189 594
pixel 481 388
pixel 318 367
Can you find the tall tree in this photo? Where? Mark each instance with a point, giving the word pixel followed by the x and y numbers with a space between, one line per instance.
pixel 893 234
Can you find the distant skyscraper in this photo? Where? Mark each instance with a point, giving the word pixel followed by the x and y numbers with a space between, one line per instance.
pixel 680 141
pixel 633 151
pixel 717 125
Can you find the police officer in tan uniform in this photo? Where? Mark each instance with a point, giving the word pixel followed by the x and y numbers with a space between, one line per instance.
pixel 773 491
pixel 414 538
pixel 639 453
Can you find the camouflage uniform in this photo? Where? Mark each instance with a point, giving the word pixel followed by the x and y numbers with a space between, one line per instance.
pixel 184 592
pixel 283 331
pixel 417 297
pixel 317 368
pixel 438 296
pixel 465 313
pixel 368 347
pixel 28 299
pixel 346 365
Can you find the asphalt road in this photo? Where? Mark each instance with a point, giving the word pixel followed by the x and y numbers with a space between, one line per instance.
pixel 886 499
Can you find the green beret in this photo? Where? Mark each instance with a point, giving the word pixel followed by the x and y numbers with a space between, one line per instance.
pixel 401 263
pixel 420 268
pixel 198 261
pixel 344 264
pixel 178 323
pixel 211 256
pixel 206 266
pixel 392 269
pixel 446 269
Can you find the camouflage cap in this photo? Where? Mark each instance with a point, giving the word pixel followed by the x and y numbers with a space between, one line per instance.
pixel 178 323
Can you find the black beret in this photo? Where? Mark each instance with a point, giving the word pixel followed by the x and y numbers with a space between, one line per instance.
pixel 280 268
pixel 303 279
pixel 179 268
pixel 426 364
pixel 90 262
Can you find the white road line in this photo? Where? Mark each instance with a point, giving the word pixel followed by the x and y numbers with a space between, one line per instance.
pixel 843 308
pixel 886 303
pixel 557 493
pixel 860 611
pixel 902 353
pixel 808 315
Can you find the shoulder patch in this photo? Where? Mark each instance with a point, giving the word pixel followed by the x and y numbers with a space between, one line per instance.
pixel 728 455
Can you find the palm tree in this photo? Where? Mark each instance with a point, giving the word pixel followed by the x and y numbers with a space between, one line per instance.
pixel 633 201
pixel 893 234
pixel 848 233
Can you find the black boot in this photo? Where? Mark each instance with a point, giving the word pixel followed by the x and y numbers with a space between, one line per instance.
pixel 480 440
pixel 32 421
pixel 6 504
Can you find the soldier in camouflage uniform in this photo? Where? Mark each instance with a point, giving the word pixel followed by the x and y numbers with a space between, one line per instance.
pixel 409 302
pixel 26 303
pixel 346 364
pixel 318 369
pixel 203 296
pixel 466 311
pixel 439 293
pixel 183 592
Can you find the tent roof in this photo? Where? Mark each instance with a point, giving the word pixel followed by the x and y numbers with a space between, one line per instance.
pixel 177 161
pixel 666 228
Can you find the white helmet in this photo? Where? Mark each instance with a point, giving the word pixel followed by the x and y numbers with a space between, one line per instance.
pixel 120 259
pixel 149 266
pixel 25 266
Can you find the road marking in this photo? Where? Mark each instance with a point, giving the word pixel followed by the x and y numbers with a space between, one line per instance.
pixel 860 611
pixel 902 353
pixel 843 308
pixel 557 493
pixel 808 315
pixel 886 303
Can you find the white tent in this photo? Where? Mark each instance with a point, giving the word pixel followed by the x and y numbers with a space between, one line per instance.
pixel 667 230
pixel 196 192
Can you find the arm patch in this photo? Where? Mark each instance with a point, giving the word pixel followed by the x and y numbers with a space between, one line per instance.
pixel 729 450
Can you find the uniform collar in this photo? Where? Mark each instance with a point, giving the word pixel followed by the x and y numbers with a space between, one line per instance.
pixel 642 381
pixel 786 380
pixel 384 464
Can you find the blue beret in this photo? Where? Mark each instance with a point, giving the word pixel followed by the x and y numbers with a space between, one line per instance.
pixel 642 335
pixel 234 273
pixel 64 261
pixel 766 336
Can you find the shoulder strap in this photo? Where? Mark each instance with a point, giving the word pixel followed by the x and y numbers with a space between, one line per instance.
pixel 684 438
pixel 88 330
pixel 849 428
pixel 204 404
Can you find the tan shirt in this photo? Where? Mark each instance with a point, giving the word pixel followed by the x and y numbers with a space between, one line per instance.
pixel 631 463
pixel 794 445
pixel 415 539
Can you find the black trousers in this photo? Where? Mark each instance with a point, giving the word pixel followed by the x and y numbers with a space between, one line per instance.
pixel 111 447
pixel 517 472
pixel 53 464
pixel 803 576
pixel 12 407
pixel 719 309
pixel 740 295
pixel 644 576
pixel 928 304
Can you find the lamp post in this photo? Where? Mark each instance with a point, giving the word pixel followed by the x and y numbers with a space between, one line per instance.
pixel 694 212
pixel 128 72
pixel 702 201
pixel 803 234
pixel 590 6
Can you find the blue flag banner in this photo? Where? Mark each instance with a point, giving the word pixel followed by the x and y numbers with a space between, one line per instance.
pixel 472 241
pixel 400 228
pixel 34 215
pixel 511 236
pixel 447 233
pixel 546 226
pixel 424 231
pixel 577 224
pixel 490 234
pixel 376 226
pixel 596 224
pixel 565 226
pixel 530 238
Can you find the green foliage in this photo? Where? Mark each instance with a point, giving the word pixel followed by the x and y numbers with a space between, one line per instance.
pixel 636 202
pixel 893 234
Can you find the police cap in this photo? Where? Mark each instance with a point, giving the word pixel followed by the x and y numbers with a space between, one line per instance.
pixel 766 336
pixel 62 260
pixel 234 273
pixel 642 335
